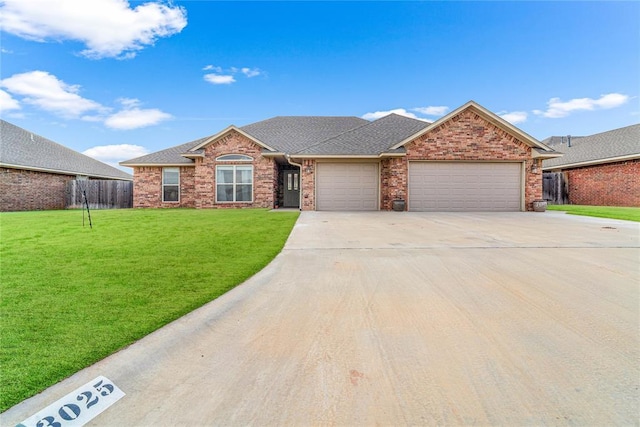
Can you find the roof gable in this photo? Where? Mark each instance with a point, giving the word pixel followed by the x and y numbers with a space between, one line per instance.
pixel 21 149
pixel 486 115
pixel 212 139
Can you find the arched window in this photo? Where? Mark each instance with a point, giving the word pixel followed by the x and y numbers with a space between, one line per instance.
pixel 234 158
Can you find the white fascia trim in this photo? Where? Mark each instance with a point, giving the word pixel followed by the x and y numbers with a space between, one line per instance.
pixel 347 157
pixel 192 156
pixel 489 116
pixel 537 155
pixel 63 172
pixel 153 165
pixel 230 128
pixel 332 156
pixel 593 162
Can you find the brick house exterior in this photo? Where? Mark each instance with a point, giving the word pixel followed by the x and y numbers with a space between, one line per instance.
pixel 470 137
pixel 276 147
pixel 601 169
pixel 34 171
pixel 25 190
pixel 611 184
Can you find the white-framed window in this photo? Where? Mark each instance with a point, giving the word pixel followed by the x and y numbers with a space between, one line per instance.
pixel 234 158
pixel 170 184
pixel 234 183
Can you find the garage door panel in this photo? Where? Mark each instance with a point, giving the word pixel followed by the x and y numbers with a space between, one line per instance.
pixel 457 186
pixel 347 186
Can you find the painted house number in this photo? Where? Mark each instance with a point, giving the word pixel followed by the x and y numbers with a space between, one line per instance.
pixel 78 407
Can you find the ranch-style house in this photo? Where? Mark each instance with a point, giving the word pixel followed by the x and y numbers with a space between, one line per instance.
pixel 469 160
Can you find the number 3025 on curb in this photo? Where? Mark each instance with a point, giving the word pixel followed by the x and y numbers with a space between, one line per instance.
pixel 78 407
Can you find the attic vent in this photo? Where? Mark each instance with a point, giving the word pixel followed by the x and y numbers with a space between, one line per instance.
pixel 32 137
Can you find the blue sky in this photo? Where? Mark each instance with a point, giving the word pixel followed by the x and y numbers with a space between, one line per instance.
pixel 118 79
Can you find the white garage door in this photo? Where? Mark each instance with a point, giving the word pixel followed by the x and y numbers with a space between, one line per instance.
pixel 459 186
pixel 347 187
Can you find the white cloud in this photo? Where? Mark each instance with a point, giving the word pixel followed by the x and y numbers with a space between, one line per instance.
pixel 108 28
pixel 7 102
pixel 115 153
pixel 515 117
pixel 7 51
pixel 251 72
pixel 219 79
pixel 212 68
pixel 129 102
pixel 49 93
pixel 557 108
pixel 379 114
pixel 46 91
pixel 134 118
pixel 432 111
pixel 221 76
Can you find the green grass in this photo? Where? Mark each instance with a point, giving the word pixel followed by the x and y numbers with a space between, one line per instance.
pixel 629 214
pixel 71 295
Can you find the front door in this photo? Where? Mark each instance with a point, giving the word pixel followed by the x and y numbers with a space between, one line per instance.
pixel 291 189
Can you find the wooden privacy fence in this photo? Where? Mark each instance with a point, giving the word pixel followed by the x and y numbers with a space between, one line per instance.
pixel 555 188
pixel 101 194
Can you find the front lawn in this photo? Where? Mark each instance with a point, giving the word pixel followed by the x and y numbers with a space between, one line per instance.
pixel 71 295
pixel 629 214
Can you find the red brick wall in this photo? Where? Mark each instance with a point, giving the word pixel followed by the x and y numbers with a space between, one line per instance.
pixel 613 184
pixel 393 181
pixel 23 190
pixel 198 182
pixel 467 136
pixel 147 188
pixel 265 173
pixel 308 185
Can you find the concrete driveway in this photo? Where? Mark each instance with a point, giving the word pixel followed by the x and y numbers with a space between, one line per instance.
pixel 401 318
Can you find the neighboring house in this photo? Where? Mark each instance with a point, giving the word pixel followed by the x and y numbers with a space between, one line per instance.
pixel 34 171
pixel 470 159
pixel 601 169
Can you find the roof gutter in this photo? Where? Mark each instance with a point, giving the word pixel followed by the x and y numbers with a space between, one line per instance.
pixel 592 162
pixel 65 172
pixel 292 163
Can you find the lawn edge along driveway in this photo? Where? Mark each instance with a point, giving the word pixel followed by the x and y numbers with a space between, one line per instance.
pixel 72 294
pixel 612 212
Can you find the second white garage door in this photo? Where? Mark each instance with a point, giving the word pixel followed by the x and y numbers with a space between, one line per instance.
pixel 347 187
pixel 455 186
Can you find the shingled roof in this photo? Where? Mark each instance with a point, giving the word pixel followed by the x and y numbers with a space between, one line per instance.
pixel 289 134
pixel 372 138
pixel 21 149
pixel 614 145
pixel 172 156
pixel 306 135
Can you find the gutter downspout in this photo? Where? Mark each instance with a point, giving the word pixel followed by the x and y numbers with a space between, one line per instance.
pixel 292 163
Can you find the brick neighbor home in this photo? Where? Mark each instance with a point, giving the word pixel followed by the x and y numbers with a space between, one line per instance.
pixel 471 159
pixel 601 169
pixel 34 171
